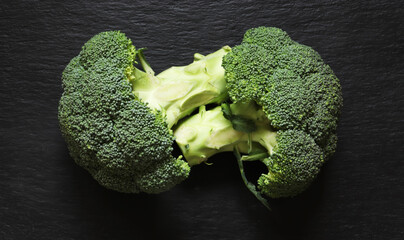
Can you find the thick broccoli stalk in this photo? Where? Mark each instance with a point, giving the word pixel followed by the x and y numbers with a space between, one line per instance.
pixel 205 134
pixel 221 129
pixel 177 91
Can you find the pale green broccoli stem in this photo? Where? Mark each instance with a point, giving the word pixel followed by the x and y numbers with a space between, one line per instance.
pixel 209 132
pixel 145 65
pixel 177 91
pixel 250 186
pixel 206 134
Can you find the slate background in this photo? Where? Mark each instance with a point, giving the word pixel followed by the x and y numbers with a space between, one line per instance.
pixel 358 195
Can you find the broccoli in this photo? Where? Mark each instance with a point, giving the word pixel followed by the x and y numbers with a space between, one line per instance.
pixel 292 157
pixel 116 118
pixel 268 99
pixel 283 107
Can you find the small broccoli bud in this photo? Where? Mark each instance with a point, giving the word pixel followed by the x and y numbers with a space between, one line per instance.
pixel 271 38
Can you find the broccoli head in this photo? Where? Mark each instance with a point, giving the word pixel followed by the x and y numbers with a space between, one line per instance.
pixel 116 118
pixel 283 106
pixel 295 88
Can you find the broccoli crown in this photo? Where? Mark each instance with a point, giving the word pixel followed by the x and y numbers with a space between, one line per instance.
pixel 125 145
pixel 298 94
pixel 296 159
pixel 295 88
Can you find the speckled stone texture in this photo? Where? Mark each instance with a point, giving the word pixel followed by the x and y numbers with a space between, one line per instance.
pixel 358 195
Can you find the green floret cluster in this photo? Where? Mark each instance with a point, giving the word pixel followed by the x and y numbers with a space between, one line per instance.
pixel 116 118
pixel 293 102
pixel 295 88
pixel 290 172
pixel 110 133
pixel 268 99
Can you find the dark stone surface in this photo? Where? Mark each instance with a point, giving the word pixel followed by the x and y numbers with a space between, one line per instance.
pixel 44 195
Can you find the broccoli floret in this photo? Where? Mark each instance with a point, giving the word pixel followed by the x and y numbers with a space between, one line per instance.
pixel 205 134
pixel 289 80
pixel 285 104
pixel 116 118
pixel 295 161
pixel 248 68
pixel 270 38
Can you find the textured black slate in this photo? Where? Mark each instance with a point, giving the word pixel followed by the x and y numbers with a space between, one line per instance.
pixel 44 195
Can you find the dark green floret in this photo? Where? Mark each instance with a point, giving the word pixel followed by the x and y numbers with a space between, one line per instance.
pixel 295 88
pixel 116 118
pixel 295 161
pixel 270 38
pixel 248 68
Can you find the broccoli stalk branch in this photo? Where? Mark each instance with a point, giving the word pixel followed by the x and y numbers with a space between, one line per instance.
pixel 210 132
pixel 177 91
pixel 237 127
pixel 250 186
